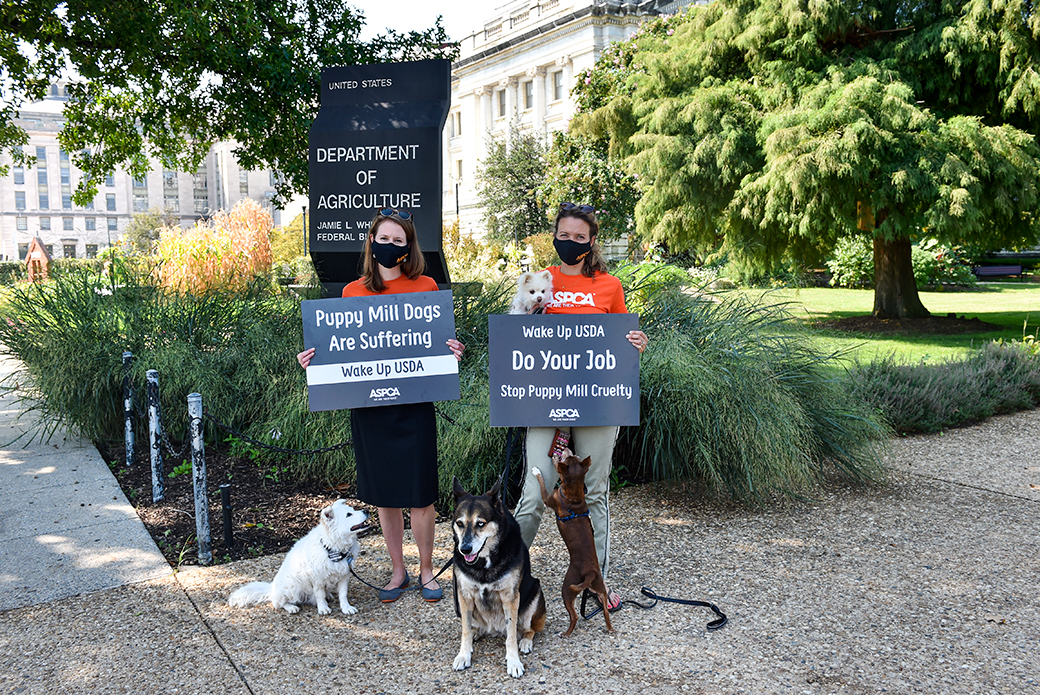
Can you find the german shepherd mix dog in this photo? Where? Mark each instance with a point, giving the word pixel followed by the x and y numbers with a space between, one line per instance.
pixel 572 519
pixel 494 588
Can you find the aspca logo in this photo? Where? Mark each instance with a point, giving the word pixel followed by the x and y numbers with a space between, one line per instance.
pixel 563 414
pixel 384 393
pixel 573 299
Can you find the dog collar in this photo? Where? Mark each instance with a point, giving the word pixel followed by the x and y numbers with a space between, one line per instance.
pixel 572 517
pixel 338 555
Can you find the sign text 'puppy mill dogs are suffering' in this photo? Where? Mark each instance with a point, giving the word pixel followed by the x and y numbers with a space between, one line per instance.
pixel 372 351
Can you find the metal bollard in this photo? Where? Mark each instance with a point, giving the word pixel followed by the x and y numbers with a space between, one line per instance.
pixel 225 507
pixel 155 435
pixel 198 471
pixel 128 408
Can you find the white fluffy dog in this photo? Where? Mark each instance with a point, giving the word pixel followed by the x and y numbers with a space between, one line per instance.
pixel 533 290
pixel 316 564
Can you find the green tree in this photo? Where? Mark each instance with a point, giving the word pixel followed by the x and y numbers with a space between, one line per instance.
pixel 579 170
pixel 781 126
pixel 509 182
pixel 167 78
pixel 142 231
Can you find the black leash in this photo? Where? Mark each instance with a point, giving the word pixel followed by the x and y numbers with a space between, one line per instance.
pixel 419 587
pixel 651 594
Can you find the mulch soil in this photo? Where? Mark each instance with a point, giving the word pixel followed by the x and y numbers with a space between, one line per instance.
pixel 950 324
pixel 269 511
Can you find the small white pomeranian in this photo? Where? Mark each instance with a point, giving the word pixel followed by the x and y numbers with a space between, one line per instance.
pixel 316 564
pixel 533 290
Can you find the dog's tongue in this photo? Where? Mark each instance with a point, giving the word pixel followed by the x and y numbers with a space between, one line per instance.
pixel 469 558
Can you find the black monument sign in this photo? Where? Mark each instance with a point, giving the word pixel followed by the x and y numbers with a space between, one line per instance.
pixel 376 143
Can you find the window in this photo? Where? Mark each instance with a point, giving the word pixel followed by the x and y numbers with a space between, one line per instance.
pixel 63 167
pixel 41 154
pixel 243 182
pixel 172 203
pixel 110 201
pixel 45 224
pixel 54 90
pixel 458 170
pixel 110 181
pixel 45 201
pixel 21 224
pixel 41 174
pixel 557 85
pixel 169 180
pixel 69 250
pixel 112 224
pixel 200 191
pixel 19 200
pixel 90 206
pixel 19 176
pixel 274 179
pixel 91 251
pixel 501 96
pixel 140 202
pixel 66 223
pixel 50 249
pixel 66 196
pixel 90 223
pixel 23 251
pixel 63 156
pixel 140 183
pixel 455 124
pixel 201 205
pixel 528 95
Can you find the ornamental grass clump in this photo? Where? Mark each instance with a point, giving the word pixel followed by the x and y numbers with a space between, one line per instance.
pixel 229 252
pixel 999 378
pixel 736 398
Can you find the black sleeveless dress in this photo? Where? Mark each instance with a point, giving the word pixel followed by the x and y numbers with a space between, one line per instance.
pixel 395 447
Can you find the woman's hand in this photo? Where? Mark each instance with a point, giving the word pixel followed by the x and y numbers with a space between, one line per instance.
pixel 638 340
pixel 304 358
pixel 456 348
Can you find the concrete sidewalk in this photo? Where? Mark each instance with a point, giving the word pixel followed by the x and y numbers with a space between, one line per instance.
pixel 926 585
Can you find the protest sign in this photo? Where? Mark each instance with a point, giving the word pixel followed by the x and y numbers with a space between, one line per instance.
pixel 563 369
pixel 381 350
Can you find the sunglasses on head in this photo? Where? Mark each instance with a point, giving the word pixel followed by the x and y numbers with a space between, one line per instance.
pixel 401 214
pixel 580 208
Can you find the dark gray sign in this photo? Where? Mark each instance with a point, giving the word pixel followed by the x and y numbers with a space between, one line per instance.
pixel 563 369
pixel 380 350
pixel 376 143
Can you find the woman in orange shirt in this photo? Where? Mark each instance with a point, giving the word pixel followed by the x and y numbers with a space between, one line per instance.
pixel 581 285
pixel 395 446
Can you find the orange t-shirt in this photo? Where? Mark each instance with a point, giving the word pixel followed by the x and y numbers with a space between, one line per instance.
pixel 400 285
pixel 577 294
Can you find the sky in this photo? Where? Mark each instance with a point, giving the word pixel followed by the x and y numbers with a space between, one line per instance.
pixel 461 17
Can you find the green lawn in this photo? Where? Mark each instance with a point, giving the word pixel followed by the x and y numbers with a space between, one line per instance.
pixel 1009 305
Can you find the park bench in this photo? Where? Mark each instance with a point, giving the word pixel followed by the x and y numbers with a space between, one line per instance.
pixel 996 270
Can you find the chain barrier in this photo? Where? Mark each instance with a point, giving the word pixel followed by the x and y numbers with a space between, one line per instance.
pixel 271 447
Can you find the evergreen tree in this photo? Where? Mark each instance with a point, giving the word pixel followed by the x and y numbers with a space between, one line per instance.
pixel 509 181
pixel 782 126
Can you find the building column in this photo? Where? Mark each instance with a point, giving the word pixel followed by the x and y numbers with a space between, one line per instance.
pixel 538 110
pixel 567 64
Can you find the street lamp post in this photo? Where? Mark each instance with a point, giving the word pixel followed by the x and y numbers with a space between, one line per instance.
pixel 304 230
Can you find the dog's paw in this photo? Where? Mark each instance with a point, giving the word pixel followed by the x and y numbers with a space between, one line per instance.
pixel 291 608
pixel 462 661
pixel 526 645
pixel 324 610
pixel 348 609
pixel 515 667
pixel 536 473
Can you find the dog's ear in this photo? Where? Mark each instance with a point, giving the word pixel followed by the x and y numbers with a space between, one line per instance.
pixel 586 463
pixel 328 514
pixel 495 494
pixel 456 489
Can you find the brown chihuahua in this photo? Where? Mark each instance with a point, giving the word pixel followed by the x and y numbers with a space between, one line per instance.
pixel 572 518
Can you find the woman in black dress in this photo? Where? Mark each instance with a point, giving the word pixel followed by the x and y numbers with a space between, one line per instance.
pixel 395 446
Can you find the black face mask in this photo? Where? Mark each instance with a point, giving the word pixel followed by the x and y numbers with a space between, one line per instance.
pixel 571 252
pixel 389 255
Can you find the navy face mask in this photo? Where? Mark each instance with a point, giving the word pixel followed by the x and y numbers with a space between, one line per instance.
pixel 389 255
pixel 571 252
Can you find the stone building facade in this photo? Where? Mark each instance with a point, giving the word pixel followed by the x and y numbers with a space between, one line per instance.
pixel 37 201
pixel 520 68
